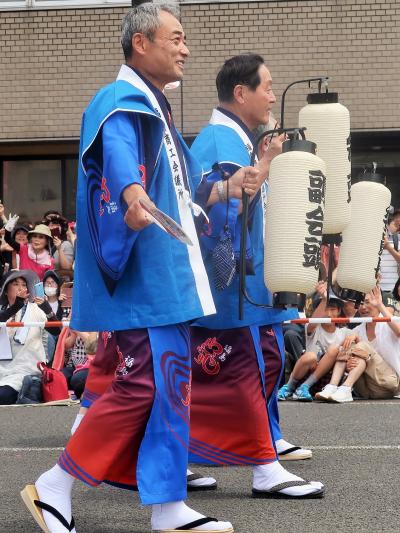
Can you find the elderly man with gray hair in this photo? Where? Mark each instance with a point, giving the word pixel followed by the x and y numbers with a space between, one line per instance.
pixel 137 286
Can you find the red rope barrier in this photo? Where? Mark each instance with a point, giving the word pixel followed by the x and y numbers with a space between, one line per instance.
pixel 301 321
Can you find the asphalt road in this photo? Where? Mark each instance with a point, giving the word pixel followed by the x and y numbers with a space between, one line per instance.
pixel 356 454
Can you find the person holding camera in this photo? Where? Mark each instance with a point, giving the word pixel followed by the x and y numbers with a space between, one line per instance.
pixel 62 250
pixel 21 348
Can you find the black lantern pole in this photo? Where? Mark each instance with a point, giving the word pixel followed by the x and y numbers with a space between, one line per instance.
pixel 245 198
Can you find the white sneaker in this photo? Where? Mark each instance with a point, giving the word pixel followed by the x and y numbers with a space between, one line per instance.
pixel 326 393
pixel 342 395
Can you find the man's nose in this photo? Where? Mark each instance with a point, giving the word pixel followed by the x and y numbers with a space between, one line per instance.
pixel 185 50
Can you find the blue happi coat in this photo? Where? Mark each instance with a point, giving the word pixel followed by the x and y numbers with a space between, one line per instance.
pixel 126 279
pixel 218 143
pixel 228 142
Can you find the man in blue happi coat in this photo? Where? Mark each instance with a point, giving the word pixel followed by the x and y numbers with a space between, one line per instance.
pixel 135 282
pixel 239 363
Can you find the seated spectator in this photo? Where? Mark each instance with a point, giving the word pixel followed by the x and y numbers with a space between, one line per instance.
pixel 21 348
pixel 317 361
pixel 370 355
pixel 62 249
pixel 79 346
pixel 35 255
pixel 52 290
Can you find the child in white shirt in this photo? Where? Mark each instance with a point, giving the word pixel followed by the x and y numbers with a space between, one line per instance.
pixel 317 360
pixel 370 355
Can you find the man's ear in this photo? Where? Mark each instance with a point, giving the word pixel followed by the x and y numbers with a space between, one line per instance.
pixel 139 43
pixel 238 93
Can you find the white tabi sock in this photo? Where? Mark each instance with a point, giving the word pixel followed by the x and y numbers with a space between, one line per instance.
pixel 269 475
pixel 201 482
pixel 175 514
pixel 54 488
pixel 77 421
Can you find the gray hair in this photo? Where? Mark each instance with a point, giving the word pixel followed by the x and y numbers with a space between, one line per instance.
pixel 145 19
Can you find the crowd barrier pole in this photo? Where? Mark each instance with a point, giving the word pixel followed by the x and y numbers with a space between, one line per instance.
pixel 320 320
pixel 354 320
pixel 59 324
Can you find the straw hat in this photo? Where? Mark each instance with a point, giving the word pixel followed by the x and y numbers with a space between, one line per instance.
pixel 41 229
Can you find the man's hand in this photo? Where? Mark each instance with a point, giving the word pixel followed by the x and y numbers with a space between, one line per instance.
pixel 270 148
pixel 245 178
pixel 136 217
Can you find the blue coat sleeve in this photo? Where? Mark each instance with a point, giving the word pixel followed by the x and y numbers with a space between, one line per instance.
pixel 121 151
pixel 114 161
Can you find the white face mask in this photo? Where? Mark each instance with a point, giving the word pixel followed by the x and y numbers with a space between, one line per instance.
pixel 50 291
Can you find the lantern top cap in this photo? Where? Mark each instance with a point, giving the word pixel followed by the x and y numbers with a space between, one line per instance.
pixel 323 98
pixel 299 145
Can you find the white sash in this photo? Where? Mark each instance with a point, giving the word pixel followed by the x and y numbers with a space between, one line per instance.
pixel 218 118
pixel 183 198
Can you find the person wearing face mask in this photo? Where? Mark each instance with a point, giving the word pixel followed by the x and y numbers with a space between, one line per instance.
pixel 52 287
pixel 20 348
pixel 36 254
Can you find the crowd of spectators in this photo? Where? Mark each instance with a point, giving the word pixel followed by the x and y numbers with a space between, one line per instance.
pixel 37 269
pixel 327 362
pixel 336 363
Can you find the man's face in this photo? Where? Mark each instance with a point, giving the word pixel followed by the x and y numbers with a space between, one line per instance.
pixel 167 53
pixel 258 103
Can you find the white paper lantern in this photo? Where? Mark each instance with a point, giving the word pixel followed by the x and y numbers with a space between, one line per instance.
pixel 362 242
pixel 294 220
pixel 328 125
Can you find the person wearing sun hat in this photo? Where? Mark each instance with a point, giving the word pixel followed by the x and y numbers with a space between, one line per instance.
pixel 36 254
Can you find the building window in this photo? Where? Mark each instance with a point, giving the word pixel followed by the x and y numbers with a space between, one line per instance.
pixel 32 187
